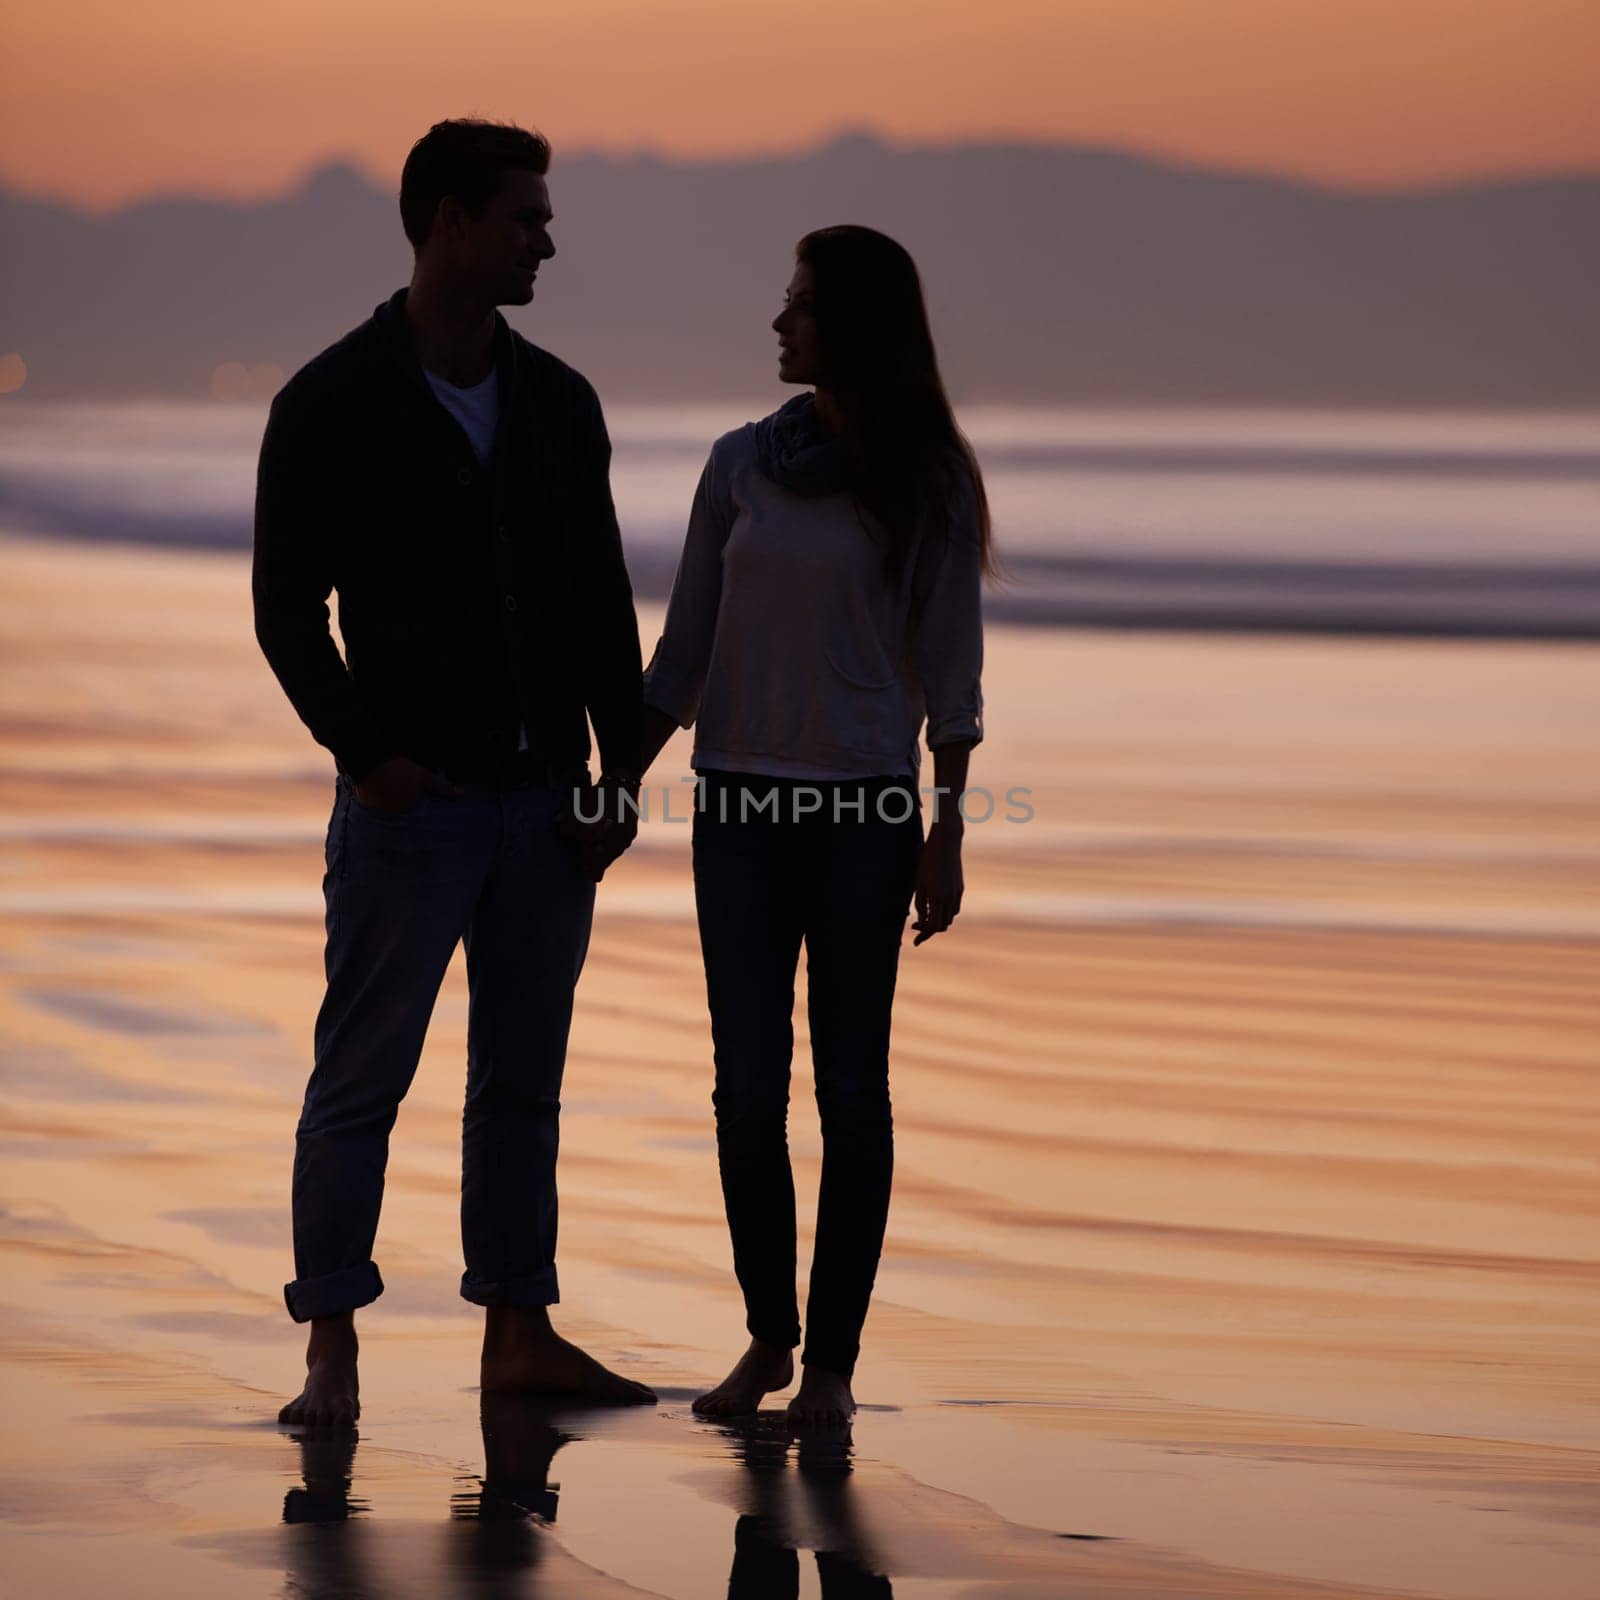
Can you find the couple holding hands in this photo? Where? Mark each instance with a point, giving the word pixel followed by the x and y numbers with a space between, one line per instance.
pixel 449 481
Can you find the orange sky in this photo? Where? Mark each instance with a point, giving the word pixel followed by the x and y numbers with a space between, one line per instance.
pixel 105 101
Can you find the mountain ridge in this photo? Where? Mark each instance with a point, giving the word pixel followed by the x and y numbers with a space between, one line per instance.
pixel 1055 273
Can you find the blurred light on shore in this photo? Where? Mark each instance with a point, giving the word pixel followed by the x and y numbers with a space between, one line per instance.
pixel 233 380
pixel 13 372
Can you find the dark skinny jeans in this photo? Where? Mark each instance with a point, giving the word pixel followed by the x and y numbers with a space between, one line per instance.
pixel 764 885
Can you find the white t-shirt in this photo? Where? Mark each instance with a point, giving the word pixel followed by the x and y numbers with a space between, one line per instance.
pixel 477 409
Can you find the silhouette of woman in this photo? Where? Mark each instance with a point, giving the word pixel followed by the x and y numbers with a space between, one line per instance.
pixel 826 604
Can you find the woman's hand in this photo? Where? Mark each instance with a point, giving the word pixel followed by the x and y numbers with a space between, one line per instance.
pixel 599 838
pixel 939 881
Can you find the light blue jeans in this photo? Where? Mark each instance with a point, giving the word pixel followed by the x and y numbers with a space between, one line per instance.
pixel 402 889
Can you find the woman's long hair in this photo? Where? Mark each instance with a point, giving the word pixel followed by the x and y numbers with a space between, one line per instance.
pixel 909 463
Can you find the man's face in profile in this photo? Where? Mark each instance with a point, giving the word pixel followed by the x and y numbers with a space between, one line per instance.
pixel 504 246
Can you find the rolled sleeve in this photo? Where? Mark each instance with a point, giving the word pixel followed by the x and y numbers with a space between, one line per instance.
pixel 677 672
pixel 949 629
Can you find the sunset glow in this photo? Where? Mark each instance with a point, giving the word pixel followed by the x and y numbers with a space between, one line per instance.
pixel 105 104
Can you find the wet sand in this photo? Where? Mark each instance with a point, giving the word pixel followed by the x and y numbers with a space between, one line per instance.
pixel 1244 1238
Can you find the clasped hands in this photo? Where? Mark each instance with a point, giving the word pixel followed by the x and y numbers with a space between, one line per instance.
pixel 602 822
pixel 599 823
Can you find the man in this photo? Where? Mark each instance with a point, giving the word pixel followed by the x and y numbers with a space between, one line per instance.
pixel 451 482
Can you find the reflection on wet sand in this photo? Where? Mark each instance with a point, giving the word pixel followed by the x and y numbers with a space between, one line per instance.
pixel 495 1545
pixel 494 1524
pixel 331 1563
pixel 327 1461
pixel 491 1545
pixel 766 1561
pixel 494 1537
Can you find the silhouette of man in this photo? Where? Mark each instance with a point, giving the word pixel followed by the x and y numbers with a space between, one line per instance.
pixel 450 481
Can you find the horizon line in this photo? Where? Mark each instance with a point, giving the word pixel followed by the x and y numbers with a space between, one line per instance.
pixel 363 168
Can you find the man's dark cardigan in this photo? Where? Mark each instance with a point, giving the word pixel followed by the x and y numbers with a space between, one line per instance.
pixel 471 598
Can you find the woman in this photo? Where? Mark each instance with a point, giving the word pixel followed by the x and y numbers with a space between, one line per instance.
pixel 827 600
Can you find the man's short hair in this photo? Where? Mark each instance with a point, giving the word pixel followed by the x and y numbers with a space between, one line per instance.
pixel 465 157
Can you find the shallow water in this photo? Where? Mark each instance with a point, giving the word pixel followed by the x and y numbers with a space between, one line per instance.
pixel 1244 1230
pixel 1387 521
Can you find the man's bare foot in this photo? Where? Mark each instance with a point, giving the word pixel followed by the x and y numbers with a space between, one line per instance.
pixel 758 1372
pixel 824 1400
pixel 523 1354
pixel 331 1397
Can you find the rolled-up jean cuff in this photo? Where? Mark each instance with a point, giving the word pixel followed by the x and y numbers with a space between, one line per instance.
pixel 782 1337
pixel 828 1360
pixel 333 1293
pixel 537 1289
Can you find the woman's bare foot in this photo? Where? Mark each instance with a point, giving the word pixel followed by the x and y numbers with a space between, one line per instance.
pixel 760 1370
pixel 331 1397
pixel 523 1354
pixel 824 1400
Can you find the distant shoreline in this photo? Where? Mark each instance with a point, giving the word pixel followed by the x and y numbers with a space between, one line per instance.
pixel 1549 603
pixel 1216 520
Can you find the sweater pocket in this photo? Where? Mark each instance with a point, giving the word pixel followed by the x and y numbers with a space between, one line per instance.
pixel 860 674
pixel 865 702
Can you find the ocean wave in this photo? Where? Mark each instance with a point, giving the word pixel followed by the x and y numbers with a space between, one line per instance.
pixel 1361 523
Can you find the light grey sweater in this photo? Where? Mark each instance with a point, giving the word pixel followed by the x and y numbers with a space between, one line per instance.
pixel 787 649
